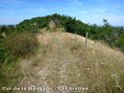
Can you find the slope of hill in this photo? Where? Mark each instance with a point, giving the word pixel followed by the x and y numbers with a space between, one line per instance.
pixel 63 64
pixel 113 36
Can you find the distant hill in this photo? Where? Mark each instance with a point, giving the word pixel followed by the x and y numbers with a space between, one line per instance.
pixel 7 25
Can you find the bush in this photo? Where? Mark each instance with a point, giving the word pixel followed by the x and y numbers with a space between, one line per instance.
pixel 120 43
pixel 17 45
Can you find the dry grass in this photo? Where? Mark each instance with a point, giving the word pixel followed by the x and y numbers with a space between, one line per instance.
pixel 64 60
pixel 13 48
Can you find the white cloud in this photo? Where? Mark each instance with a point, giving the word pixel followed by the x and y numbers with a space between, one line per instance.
pixel 36 10
pixel 76 2
pixel 98 19
pixel 11 1
pixel 116 19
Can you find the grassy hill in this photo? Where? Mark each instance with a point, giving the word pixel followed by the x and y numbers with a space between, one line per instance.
pixel 51 55
pixel 64 64
pixel 113 36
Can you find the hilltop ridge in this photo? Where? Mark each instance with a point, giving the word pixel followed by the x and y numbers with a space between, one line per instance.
pixel 113 36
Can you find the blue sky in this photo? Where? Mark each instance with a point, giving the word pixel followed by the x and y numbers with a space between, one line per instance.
pixel 88 11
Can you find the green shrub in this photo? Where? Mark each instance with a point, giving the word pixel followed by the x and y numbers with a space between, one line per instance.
pixel 17 45
pixel 120 43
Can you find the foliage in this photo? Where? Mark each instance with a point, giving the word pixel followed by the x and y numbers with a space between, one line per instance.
pixel 120 43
